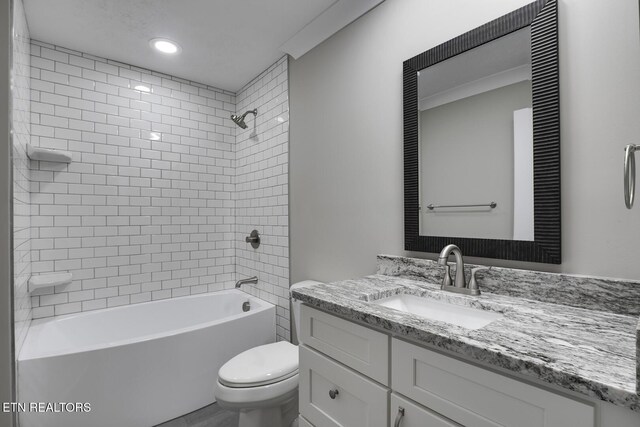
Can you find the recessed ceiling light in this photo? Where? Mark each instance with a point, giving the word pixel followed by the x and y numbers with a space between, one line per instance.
pixel 165 46
pixel 142 88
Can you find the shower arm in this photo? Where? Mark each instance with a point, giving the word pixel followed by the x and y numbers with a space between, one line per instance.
pixel 254 112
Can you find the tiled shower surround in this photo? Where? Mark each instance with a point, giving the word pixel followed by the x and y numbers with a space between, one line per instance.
pixel 262 188
pixel 21 174
pixel 147 209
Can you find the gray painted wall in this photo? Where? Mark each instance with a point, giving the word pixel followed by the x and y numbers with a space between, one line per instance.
pixel 6 296
pixel 346 135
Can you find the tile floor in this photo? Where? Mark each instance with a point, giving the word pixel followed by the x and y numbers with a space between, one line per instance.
pixel 209 416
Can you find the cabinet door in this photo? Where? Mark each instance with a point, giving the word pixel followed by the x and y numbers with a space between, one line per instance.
pixel 358 347
pixel 333 395
pixel 404 413
pixel 476 397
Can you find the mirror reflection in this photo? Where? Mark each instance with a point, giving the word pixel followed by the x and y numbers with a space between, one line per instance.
pixel 476 142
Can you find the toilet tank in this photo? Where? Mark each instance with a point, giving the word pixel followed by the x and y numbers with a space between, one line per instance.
pixel 295 307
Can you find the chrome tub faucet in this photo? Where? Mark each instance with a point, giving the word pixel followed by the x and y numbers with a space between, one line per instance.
pixel 241 282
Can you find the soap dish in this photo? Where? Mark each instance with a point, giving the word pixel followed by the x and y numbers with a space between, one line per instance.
pixel 49 280
pixel 48 155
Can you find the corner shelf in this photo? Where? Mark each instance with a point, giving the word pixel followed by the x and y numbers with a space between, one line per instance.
pixel 49 280
pixel 48 155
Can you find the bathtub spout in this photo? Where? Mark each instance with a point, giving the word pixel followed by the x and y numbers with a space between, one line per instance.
pixel 241 282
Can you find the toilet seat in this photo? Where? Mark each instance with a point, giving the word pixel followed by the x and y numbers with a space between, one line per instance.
pixel 260 396
pixel 260 366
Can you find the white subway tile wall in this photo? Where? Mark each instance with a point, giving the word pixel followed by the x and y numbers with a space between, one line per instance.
pixel 21 174
pixel 262 189
pixel 145 211
pixel 163 186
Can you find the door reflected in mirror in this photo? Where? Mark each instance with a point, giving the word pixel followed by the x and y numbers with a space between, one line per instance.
pixel 476 142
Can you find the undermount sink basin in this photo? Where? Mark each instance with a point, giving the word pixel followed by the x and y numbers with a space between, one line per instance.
pixel 470 318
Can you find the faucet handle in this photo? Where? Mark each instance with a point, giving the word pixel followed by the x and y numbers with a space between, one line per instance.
pixel 254 239
pixel 473 283
pixel 446 280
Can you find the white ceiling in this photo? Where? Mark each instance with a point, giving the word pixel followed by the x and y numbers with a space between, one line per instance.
pixel 224 43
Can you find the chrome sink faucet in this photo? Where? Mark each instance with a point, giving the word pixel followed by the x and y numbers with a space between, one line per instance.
pixel 241 282
pixel 460 285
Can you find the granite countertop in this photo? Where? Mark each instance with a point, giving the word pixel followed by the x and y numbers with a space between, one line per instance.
pixel 588 351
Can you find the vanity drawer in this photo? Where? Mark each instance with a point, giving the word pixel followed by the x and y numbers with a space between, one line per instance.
pixel 414 415
pixel 476 397
pixel 358 401
pixel 360 348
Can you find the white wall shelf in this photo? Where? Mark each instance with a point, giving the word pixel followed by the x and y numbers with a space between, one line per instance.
pixel 48 155
pixel 49 280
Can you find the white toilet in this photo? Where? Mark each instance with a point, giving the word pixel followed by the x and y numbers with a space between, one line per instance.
pixel 262 382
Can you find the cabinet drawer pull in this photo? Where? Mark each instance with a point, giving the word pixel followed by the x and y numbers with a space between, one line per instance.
pixel 333 393
pixel 399 416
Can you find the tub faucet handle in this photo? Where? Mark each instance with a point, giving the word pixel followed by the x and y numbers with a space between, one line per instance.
pixel 254 239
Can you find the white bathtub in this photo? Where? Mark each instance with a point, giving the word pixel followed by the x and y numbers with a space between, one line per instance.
pixel 137 365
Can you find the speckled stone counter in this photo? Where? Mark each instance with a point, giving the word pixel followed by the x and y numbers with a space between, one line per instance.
pixel 589 351
pixel 594 293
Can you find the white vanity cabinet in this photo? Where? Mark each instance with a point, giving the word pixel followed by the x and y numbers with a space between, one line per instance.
pixel 352 376
pixel 477 397
pixel 359 347
pixel 339 361
pixel 334 395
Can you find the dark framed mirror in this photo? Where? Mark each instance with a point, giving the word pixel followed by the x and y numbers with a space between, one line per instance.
pixel 482 140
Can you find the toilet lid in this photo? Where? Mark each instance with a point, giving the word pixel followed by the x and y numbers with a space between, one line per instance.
pixel 262 365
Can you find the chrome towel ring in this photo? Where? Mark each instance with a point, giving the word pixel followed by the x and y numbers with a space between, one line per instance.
pixel 630 174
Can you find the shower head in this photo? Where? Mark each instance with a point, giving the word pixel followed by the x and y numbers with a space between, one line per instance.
pixel 239 120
